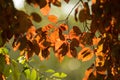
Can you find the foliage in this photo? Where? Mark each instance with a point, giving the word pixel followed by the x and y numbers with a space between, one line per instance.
pixel 65 41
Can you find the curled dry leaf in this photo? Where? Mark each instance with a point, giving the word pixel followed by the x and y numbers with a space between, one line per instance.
pixel 85 54
pixel 52 18
pixel 75 14
pixel 61 36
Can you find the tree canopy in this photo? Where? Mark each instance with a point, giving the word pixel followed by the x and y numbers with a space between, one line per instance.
pixel 100 36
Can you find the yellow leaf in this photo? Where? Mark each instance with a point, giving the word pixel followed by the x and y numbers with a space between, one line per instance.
pixel 85 54
pixel 100 48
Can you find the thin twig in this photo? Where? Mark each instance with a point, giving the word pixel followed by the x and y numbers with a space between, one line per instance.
pixel 72 10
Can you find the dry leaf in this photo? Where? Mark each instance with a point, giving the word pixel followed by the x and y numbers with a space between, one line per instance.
pixel 36 17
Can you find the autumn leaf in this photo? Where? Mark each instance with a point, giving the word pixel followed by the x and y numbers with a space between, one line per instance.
pixel 74 43
pixel 82 15
pixel 73 52
pixel 57 3
pixel 75 14
pixel 41 3
pixel 54 36
pixel 61 36
pixel 85 54
pixel 63 27
pixel 67 1
pixel 93 1
pixel 7 59
pixel 36 17
pixel 87 73
pixel 96 41
pixel 45 10
pixel 52 18
pixel 45 53
pixel 76 30
pixel 58 43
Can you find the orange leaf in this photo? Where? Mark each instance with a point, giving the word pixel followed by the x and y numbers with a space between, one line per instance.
pixel 93 1
pixel 52 18
pixel 45 10
pixel 96 41
pixel 58 43
pixel 87 74
pixel 85 54
pixel 54 36
pixel 16 46
pixel 7 59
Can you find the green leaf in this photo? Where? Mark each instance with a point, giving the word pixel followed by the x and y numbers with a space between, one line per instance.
pixel 33 74
pixel 21 59
pixel 59 75
pixel 56 75
pixel 50 71
pixel 27 73
pixel 3 50
pixel 63 75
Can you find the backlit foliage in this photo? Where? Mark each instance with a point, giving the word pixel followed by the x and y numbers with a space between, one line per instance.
pixel 82 45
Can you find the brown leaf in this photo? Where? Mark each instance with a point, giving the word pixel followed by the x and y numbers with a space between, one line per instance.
pixel 45 53
pixel 73 52
pixel 52 18
pixel 76 30
pixel 57 3
pixel 61 36
pixel 75 14
pixel 36 17
pixel 63 49
pixel 46 44
pixel 22 22
pixel 67 1
pixel 29 54
pixel 74 43
pixel 36 47
pixel 82 15
pixel 41 3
